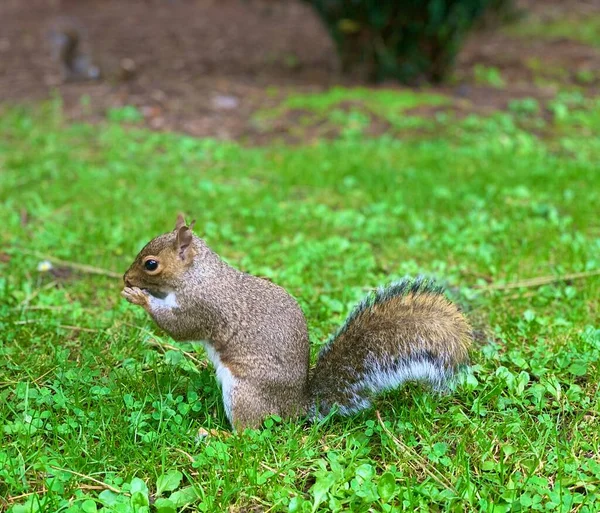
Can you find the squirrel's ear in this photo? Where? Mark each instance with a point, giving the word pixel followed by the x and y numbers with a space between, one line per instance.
pixel 184 241
pixel 180 222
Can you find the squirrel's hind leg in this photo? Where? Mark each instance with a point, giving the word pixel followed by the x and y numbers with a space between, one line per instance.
pixel 249 406
pixel 252 403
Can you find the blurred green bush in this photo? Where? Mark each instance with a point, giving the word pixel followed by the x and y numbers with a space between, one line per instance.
pixel 406 40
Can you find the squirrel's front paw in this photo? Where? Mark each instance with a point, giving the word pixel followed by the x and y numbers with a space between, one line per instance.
pixel 136 296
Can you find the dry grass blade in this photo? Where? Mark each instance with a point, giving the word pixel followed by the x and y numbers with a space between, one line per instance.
pixel 154 341
pixel 165 346
pixel 434 474
pixel 64 326
pixel 540 280
pixel 90 478
pixel 186 454
pixel 10 500
pixel 87 269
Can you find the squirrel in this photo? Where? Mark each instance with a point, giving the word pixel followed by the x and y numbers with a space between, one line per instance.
pixel 66 41
pixel 256 335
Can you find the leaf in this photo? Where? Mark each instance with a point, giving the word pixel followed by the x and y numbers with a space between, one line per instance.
pixel 297 505
pixel 440 448
pixel 470 382
pixel 89 506
pixel 137 485
pixel 108 498
pixel 553 387
pixel 521 382
pixel 173 357
pixel 31 506
pixel 489 466
pixel 139 500
pixel 508 450
pixel 264 477
pixel 23 508
pixel 319 490
pixel 578 368
pixel 365 471
pixel 163 505
pixel 386 487
pixel 184 496
pixel 168 482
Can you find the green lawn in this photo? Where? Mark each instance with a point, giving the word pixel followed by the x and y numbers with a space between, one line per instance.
pixel 99 409
pixel 582 28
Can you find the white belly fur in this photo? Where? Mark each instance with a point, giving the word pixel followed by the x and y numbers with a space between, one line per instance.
pixel 224 377
pixel 169 301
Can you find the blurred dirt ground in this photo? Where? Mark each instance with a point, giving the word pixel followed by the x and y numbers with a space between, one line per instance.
pixel 204 67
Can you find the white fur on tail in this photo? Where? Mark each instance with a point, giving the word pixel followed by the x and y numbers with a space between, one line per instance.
pixel 383 376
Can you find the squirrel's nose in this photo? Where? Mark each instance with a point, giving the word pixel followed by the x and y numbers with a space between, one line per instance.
pixel 127 282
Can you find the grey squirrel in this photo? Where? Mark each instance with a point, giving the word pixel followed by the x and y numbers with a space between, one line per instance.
pixel 256 335
pixel 67 44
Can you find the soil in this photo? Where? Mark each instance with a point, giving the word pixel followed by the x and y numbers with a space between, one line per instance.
pixel 204 67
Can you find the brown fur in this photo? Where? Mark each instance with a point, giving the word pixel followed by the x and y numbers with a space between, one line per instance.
pixel 401 326
pixel 257 329
pixel 260 334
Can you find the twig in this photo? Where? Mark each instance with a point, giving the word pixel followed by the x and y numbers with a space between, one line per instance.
pixel 88 269
pixel 79 328
pixel 39 378
pixel 48 307
pixel 90 487
pixel 539 281
pixel 275 472
pixel 163 345
pixel 64 326
pixel 187 455
pixel 97 481
pixel 18 497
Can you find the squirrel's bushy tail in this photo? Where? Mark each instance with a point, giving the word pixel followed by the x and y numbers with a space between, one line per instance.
pixel 406 331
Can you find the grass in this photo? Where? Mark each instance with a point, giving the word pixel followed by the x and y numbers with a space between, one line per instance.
pixel 584 29
pixel 351 109
pixel 382 101
pixel 98 409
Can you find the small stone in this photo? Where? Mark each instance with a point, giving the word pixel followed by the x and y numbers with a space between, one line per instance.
pixel 225 102
pixel 157 122
pixel 127 69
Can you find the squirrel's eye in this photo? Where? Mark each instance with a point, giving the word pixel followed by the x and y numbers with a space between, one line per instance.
pixel 151 265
